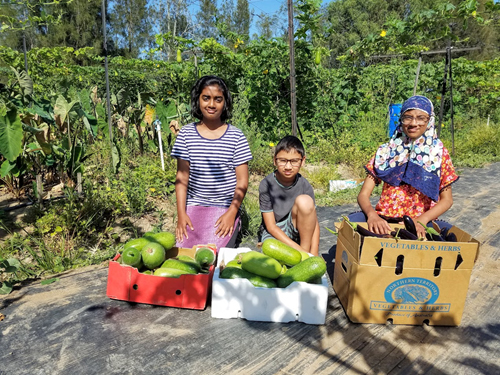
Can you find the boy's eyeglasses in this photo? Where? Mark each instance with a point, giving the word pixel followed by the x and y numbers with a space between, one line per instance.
pixel 420 120
pixel 293 162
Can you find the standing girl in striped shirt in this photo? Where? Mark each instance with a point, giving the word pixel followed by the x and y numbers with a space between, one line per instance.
pixel 212 169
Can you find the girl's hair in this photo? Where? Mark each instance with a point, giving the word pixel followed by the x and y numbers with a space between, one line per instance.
pixel 198 88
pixel 290 143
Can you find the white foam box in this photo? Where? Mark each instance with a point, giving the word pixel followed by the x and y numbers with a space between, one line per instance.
pixel 238 298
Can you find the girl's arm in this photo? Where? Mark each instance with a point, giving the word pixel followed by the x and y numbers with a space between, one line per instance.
pixel 375 223
pixel 444 204
pixel 225 223
pixel 181 185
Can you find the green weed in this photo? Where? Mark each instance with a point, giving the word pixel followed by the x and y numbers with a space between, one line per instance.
pixel 476 143
pixel 319 176
pixel 251 216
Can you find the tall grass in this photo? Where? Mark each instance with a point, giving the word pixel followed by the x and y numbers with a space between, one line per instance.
pixel 476 142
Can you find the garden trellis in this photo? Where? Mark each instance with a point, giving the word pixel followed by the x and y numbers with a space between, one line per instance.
pixel 447 75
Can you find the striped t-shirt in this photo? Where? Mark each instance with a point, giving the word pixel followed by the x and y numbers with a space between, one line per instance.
pixel 212 163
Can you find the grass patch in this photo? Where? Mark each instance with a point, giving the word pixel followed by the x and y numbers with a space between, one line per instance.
pixel 476 144
pixel 341 197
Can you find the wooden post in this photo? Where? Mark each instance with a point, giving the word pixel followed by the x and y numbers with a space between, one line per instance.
pixel 79 182
pixel 106 73
pixel 452 127
pixel 24 45
pixel 195 65
pixel 443 93
pixel 39 188
pixel 293 93
pixel 416 76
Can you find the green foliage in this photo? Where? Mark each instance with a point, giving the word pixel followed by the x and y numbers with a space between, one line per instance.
pixel 319 176
pixel 342 197
pixel 143 181
pixel 409 32
pixel 10 265
pixel 250 216
pixel 11 135
pixel 475 145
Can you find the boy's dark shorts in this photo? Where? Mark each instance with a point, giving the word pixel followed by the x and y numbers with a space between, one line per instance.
pixel 287 227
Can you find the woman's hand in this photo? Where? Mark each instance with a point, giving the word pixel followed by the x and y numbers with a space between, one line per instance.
pixel 225 224
pixel 444 204
pixel 375 223
pixel 183 222
pixel 420 229
pixel 378 225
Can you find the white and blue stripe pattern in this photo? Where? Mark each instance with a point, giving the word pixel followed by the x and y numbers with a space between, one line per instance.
pixel 212 163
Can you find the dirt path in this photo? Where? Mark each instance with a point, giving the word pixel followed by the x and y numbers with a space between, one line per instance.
pixel 72 327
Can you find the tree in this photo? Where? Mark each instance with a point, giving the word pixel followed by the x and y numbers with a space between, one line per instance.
pixel 206 19
pixel 173 19
pixel 130 26
pixel 242 18
pixel 80 25
pixel 11 37
pixel 272 25
pixel 432 28
pixel 265 25
pixel 352 20
pixel 28 20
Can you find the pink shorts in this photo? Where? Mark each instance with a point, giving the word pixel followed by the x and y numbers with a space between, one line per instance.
pixel 203 220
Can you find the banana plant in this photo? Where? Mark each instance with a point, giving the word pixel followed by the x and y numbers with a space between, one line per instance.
pixel 16 141
pixel 21 90
pixel 11 135
pixel 12 169
pixel 133 111
pixel 172 112
pixel 71 150
pixel 19 94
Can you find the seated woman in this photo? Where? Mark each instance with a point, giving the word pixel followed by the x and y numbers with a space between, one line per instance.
pixel 416 171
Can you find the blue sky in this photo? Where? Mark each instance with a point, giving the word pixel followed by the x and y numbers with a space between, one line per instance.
pixel 265 6
pixel 257 7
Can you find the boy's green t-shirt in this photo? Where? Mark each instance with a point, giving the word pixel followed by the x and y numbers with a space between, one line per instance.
pixel 274 197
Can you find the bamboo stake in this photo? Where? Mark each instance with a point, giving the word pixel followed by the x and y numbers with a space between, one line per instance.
pixel 293 93
pixel 416 76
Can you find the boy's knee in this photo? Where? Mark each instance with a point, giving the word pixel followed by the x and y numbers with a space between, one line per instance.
pixel 305 204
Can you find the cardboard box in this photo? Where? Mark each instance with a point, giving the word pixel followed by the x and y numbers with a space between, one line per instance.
pixel 238 298
pixel 403 281
pixel 126 283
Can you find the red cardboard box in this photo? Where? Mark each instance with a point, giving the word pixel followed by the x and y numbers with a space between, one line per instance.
pixel 126 283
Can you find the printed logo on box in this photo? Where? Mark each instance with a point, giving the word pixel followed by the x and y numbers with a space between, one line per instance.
pixel 411 294
pixel 436 246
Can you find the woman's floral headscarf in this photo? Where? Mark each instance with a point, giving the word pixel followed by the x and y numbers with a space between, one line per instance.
pixel 416 163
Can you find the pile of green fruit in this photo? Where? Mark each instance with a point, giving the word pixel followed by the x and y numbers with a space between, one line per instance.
pixel 277 266
pixel 148 254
